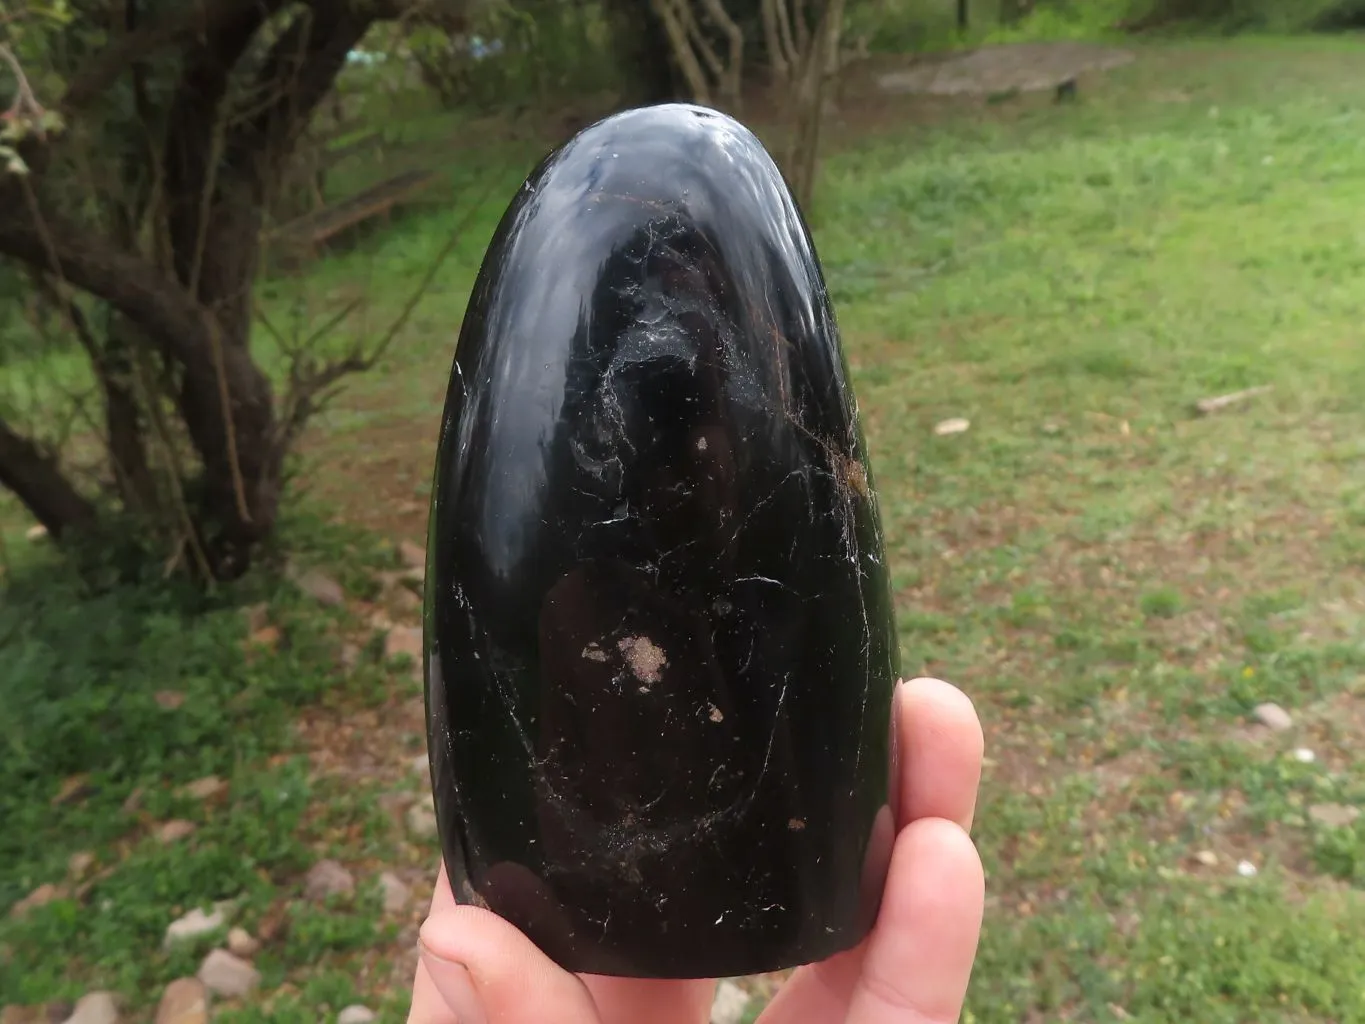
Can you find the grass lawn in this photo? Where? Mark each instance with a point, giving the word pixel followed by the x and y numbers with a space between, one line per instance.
pixel 1115 579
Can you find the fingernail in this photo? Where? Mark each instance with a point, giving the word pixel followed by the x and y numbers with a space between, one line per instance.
pixel 456 986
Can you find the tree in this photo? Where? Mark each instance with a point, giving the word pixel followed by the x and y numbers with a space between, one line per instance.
pixel 711 67
pixel 801 42
pixel 642 45
pixel 191 110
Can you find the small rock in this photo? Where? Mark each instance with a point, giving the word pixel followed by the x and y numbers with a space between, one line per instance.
pixel 414 556
pixel 729 1005
pixel 134 800
pixel 422 820
pixel 203 789
pixel 318 585
pixel 404 640
pixel 1333 815
pixel 95 1008
pixel 1273 717
pixel 267 638
pixel 72 788
pixel 421 764
pixel 1304 756
pixel 40 896
pixel 175 830
pixel 169 699
pixel 349 657
pixel 396 893
pixel 1246 869
pixel 257 616
pixel 51 1012
pixel 79 863
pixel 35 533
pixel 42 1013
pixel 241 943
pixel 1207 857
pixel 395 805
pixel 356 1014
pixel 226 975
pixel 328 878
pixel 195 924
pixel 185 1001
pixel 956 425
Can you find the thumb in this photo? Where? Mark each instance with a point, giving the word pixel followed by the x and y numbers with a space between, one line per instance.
pixel 477 968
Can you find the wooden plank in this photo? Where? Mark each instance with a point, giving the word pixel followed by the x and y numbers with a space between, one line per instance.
pixel 315 228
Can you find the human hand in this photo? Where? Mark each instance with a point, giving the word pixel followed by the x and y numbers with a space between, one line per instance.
pixel 913 968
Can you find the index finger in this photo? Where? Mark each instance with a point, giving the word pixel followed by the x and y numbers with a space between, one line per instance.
pixel 940 745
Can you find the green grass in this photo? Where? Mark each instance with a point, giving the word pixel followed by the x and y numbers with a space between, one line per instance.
pixel 1116 580
pixel 82 672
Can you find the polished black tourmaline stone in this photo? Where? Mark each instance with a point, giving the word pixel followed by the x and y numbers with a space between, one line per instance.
pixel 660 641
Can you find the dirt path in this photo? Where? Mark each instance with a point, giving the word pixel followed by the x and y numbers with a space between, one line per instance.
pixel 1022 67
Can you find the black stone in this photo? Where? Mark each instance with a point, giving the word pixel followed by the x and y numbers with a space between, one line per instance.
pixel 660 638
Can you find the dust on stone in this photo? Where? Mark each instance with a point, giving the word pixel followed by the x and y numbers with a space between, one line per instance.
pixel 853 476
pixel 645 658
pixel 716 715
pixel 594 653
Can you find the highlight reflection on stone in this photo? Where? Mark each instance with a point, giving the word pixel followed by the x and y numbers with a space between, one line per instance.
pixel 659 635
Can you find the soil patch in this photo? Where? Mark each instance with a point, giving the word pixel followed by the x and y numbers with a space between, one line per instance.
pixel 1019 67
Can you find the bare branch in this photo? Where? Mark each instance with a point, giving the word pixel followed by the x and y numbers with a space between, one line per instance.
pixel 302 400
pixel 819 63
pixel 25 103
pixel 209 20
pixel 668 12
pixel 784 32
pixel 778 58
pixel 40 484
pixel 803 36
pixel 697 36
pixel 730 80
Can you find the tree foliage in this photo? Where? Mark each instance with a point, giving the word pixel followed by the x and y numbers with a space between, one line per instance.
pixel 1249 15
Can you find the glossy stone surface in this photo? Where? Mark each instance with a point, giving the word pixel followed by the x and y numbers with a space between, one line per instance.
pixel 660 644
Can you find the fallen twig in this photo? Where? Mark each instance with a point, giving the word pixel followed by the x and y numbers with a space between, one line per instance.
pixel 1220 402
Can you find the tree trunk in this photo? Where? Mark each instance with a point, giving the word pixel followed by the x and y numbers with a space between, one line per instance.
pixel 641 44
pixel 819 63
pixel 217 188
pixel 111 360
pixel 123 418
pixel 38 482
pixel 220 162
pixel 962 15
